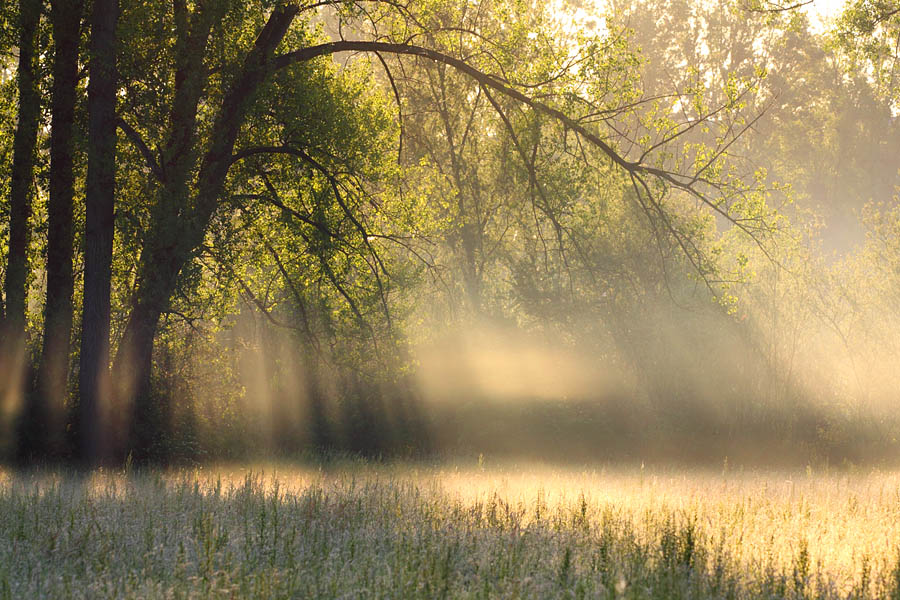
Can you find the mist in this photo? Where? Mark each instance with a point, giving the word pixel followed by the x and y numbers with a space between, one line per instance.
pixel 684 249
pixel 481 298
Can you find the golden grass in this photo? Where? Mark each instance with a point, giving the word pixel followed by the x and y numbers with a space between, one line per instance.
pixel 820 534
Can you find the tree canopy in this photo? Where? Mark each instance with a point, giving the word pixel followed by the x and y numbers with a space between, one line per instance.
pixel 208 202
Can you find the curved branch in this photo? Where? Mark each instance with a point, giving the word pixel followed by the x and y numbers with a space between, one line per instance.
pixel 770 6
pixel 276 202
pixel 486 80
pixel 136 139
pixel 390 77
pixel 335 187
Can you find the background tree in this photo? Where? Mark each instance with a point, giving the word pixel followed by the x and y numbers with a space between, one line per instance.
pixel 867 31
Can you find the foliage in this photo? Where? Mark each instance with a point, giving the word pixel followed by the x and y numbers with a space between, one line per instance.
pixel 867 32
pixel 620 181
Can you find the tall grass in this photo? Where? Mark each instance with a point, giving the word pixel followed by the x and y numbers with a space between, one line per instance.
pixel 414 532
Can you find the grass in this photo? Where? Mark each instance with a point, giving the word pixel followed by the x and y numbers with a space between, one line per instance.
pixel 363 531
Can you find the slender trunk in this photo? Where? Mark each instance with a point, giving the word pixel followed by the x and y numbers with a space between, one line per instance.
pixel 13 353
pixel 99 229
pixel 23 167
pixel 320 428
pixel 46 405
pixel 468 220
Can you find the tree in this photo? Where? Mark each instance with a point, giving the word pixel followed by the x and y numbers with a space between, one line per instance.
pixel 21 190
pixel 94 387
pixel 190 90
pixel 823 131
pixel 868 31
pixel 41 434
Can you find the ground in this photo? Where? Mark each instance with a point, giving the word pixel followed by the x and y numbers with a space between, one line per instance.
pixel 356 530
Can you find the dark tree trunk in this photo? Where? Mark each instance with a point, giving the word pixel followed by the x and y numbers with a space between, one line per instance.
pixel 322 439
pixel 23 166
pixel 13 353
pixel 98 236
pixel 134 360
pixel 176 232
pixel 45 407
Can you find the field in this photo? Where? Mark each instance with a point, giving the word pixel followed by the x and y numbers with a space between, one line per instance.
pixel 475 531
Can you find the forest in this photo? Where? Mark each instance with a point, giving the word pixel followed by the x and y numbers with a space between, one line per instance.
pixel 431 228
pixel 231 226
pixel 449 298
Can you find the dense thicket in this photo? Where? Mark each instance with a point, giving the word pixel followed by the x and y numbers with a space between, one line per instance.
pixel 266 211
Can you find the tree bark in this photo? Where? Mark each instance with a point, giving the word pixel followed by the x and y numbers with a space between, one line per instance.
pixel 134 359
pixel 176 231
pixel 23 166
pixel 99 229
pixel 46 405
pixel 13 352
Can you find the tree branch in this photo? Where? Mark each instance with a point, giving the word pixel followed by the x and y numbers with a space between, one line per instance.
pixel 487 81
pixel 311 52
pixel 770 6
pixel 142 147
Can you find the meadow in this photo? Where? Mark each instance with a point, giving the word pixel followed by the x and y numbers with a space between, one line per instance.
pixel 358 530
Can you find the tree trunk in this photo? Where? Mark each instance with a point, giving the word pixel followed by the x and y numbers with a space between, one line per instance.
pixel 99 228
pixel 46 405
pixel 177 232
pixel 322 440
pixel 134 360
pixel 23 166
pixel 13 353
